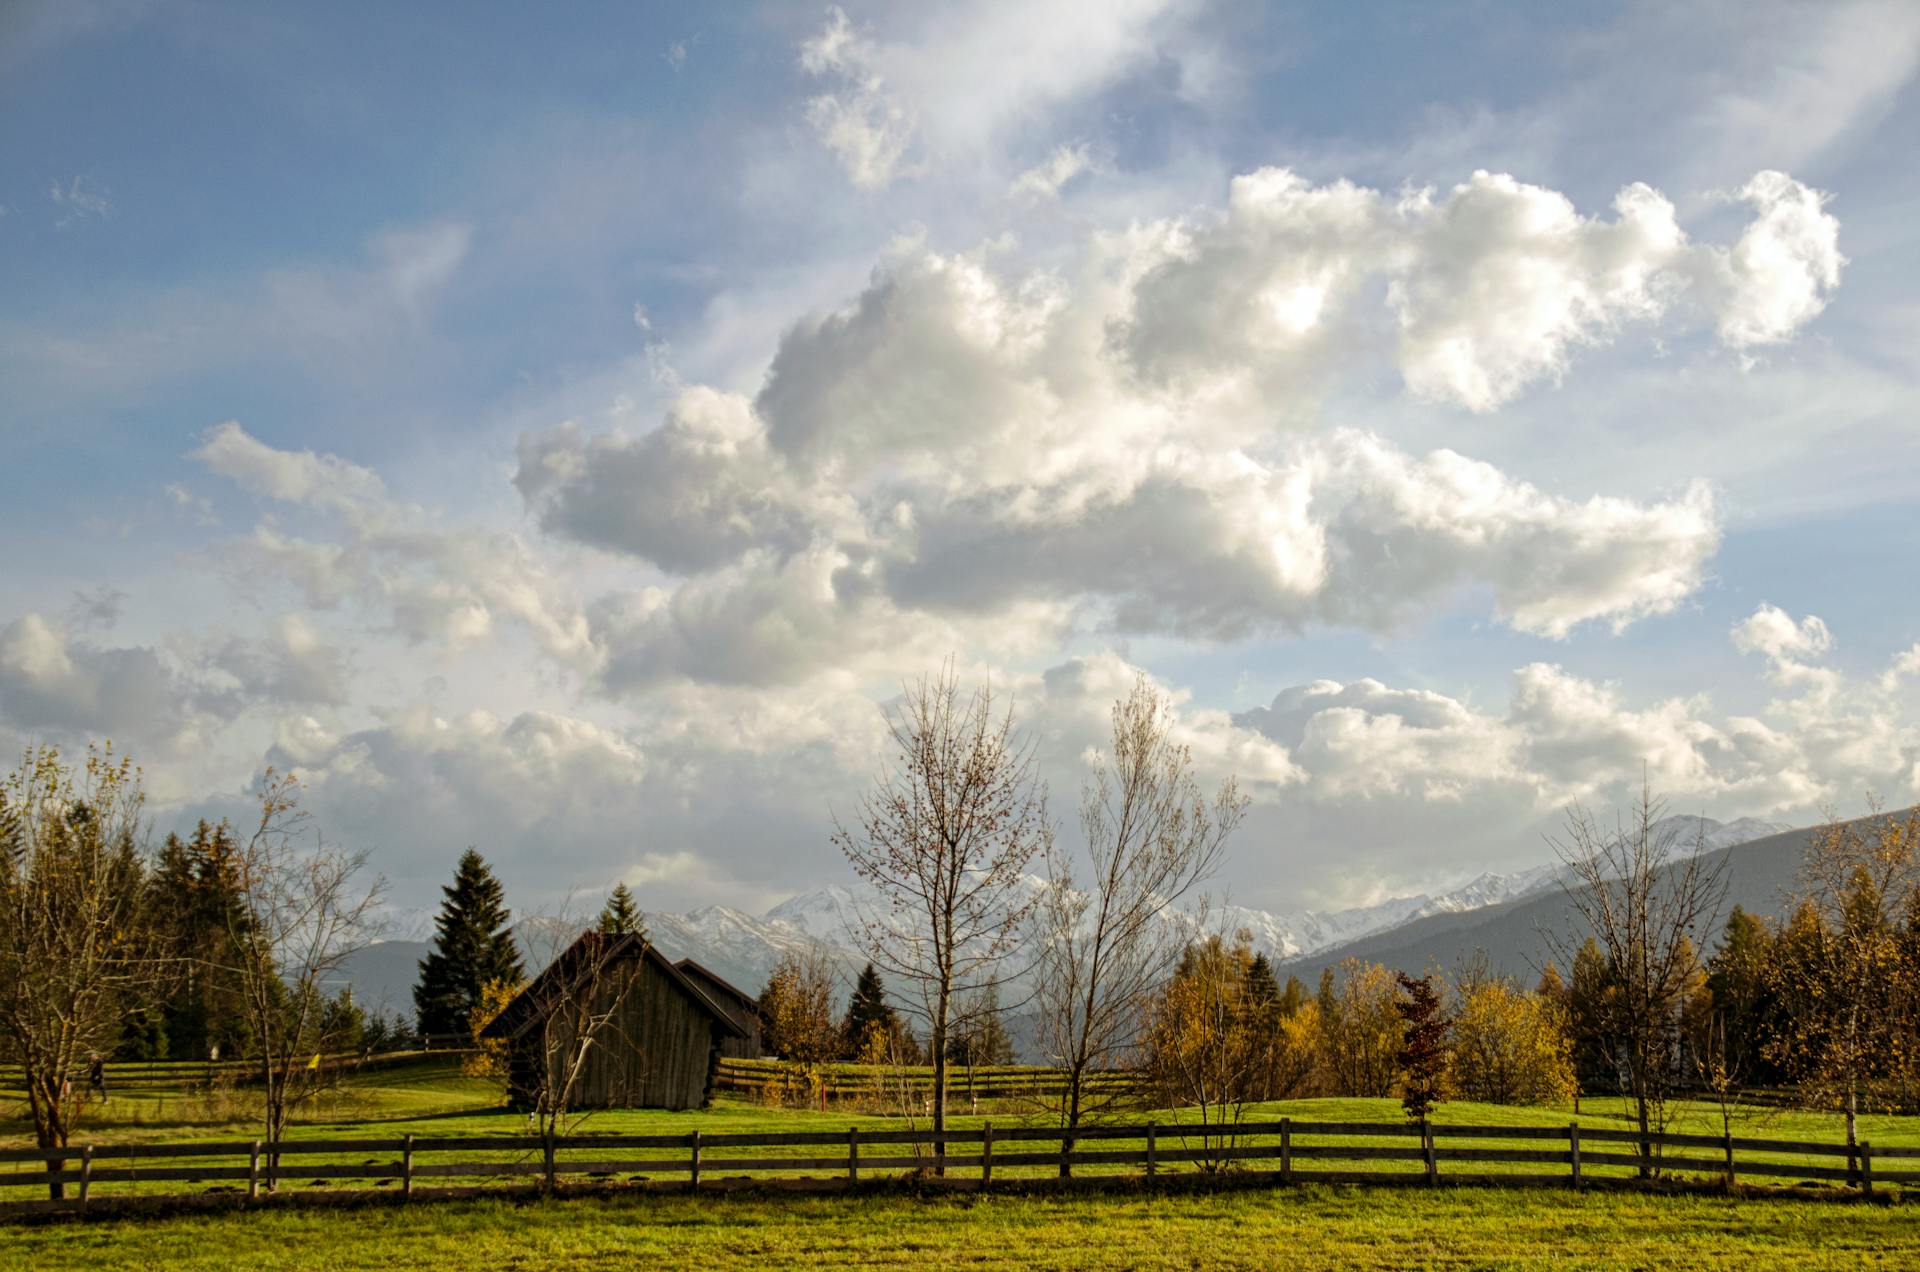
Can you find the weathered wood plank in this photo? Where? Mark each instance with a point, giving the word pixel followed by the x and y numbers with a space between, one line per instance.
pixel 1499 1132
pixel 1502 1155
pixel 1358 1152
pixel 1791 1170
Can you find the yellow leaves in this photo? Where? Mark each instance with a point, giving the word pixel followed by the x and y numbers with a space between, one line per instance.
pixel 1509 1048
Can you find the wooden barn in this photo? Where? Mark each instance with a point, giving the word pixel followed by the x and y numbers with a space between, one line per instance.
pixel 741 1007
pixel 654 1037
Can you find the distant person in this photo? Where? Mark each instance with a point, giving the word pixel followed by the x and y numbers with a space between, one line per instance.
pixel 97 1075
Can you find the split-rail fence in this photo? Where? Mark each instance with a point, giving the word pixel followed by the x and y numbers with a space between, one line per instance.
pixel 120 1177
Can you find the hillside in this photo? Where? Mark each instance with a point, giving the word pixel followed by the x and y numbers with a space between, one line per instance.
pixel 1759 875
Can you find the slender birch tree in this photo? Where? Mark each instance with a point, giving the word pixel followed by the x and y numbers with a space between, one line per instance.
pixel 1152 836
pixel 1648 902
pixel 304 906
pixel 945 838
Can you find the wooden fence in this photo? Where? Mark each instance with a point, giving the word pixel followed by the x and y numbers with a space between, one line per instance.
pixel 183 1076
pixel 134 1176
pixel 869 1082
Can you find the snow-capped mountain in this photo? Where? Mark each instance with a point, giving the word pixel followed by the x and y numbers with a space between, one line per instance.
pixel 1710 834
pixel 743 948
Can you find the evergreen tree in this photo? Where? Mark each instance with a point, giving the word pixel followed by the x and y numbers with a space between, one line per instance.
pixel 193 892
pixel 1590 994
pixel 620 915
pixel 1423 1056
pixel 1263 988
pixel 472 946
pixel 1744 1001
pixel 981 1037
pixel 869 1014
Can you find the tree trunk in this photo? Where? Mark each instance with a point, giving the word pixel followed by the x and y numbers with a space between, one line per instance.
pixel 56 1191
pixel 50 1132
pixel 1853 1134
pixel 1646 1148
pixel 1067 1137
pixel 943 1005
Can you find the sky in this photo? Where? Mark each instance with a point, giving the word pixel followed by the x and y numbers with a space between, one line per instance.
pixel 563 432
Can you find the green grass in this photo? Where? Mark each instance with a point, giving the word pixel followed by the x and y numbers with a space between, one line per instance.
pixel 429 1097
pixel 1309 1227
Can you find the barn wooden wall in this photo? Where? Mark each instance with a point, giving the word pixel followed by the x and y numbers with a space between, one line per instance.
pixel 743 1015
pixel 657 1052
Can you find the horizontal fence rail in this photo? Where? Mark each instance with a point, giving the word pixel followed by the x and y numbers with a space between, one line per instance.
pixel 142 1076
pixel 113 1177
pixel 845 1081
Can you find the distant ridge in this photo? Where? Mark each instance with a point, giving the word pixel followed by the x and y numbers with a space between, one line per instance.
pixel 1414 929
pixel 1760 875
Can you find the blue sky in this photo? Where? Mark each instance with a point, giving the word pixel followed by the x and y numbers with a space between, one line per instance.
pixel 560 432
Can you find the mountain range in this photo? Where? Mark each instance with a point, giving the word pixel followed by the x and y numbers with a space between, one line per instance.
pixel 743 948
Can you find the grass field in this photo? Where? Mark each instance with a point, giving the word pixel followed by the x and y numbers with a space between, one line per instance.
pixel 429 1097
pixel 1309 1226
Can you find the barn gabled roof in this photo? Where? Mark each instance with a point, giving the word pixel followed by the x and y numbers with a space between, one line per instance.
pixel 587 957
pixel 720 982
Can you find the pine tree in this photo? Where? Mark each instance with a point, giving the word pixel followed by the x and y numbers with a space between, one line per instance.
pixel 868 1014
pixel 1423 1056
pixel 981 1038
pixel 1740 975
pixel 1263 988
pixel 620 915
pixel 1591 990
pixel 472 946
pixel 193 893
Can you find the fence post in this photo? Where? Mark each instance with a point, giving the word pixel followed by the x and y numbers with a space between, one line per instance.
pixel 86 1176
pixel 546 1159
pixel 253 1173
pixel 1866 1169
pixel 1426 1144
pixel 853 1154
pixel 1286 1150
pixel 1153 1131
pixel 1573 1151
pixel 406 1167
pixel 986 1155
pixel 693 1177
pixel 1730 1171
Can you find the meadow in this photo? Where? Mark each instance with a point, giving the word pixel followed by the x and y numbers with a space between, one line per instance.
pixel 1323 1225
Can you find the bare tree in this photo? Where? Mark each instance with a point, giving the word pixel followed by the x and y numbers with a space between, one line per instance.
pixel 1152 836
pixel 303 908
pixel 945 839
pixel 1646 904
pixel 73 953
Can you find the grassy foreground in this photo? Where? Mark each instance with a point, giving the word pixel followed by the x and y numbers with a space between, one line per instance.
pixel 1312 1227
pixel 1315 1226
